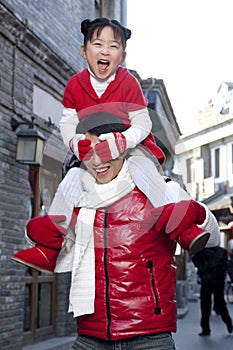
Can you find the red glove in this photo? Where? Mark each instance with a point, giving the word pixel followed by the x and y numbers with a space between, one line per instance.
pixel 81 147
pixel 45 230
pixel 174 218
pixel 113 144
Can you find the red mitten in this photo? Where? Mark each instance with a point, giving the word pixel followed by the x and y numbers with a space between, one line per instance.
pixel 81 147
pixel 113 144
pixel 44 230
pixel 174 218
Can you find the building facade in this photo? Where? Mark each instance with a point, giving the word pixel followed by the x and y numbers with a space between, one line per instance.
pixel 40 42
pixel 205 159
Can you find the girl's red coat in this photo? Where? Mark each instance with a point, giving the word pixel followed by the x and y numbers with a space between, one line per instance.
pixel 122 96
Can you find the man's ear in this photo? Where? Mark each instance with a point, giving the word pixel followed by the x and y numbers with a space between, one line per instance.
pixel 83 52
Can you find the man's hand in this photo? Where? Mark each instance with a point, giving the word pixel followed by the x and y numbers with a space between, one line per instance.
pixel 112 146
pixel 45 230
pixel 81 147
pixel 175 218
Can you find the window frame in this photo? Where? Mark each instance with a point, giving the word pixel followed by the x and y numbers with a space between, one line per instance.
pixel 33 278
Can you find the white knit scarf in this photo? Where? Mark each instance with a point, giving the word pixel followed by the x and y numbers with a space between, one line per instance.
pixel 82 291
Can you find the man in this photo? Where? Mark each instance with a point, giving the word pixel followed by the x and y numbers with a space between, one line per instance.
pixel 121 251
pixel 212 267
pixel 230 260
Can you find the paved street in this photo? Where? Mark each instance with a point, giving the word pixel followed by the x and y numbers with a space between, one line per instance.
pixel 187 337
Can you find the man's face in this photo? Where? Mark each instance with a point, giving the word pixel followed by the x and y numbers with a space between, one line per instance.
pixel 103 172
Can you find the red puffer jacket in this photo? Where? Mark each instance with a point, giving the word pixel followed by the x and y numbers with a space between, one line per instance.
pixel 135 273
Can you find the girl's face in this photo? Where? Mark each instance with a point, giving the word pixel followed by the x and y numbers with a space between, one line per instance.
pixel 104 53
pixel 102 172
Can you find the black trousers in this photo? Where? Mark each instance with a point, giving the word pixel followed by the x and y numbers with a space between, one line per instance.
pixel 206 293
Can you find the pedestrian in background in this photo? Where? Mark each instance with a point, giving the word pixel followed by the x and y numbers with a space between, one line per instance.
pixel 212 268
pixel 230 260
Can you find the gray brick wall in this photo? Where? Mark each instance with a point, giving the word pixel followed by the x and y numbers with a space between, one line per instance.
pixel 14 189
pixel 20 68
pixel 65 323
pixel 56 23
pixel 39 42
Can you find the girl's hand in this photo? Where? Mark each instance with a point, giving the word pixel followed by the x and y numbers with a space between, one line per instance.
pixel 81 147
pixel 112 145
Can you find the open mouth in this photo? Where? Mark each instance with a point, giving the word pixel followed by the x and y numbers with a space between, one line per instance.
pixel 102 171
pixel 103 64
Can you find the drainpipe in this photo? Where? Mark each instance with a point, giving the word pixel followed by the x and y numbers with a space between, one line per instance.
pixel 153 80
pixel 124 13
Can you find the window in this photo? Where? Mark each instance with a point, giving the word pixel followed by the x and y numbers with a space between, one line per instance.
pixel 40 288
pixel 45 105
pixel 98 8
pixel 206 156
pixel 217 162
pixel 102 8
pixel 232 158
pixel 190 170
pixel 219 156
pixel 39 304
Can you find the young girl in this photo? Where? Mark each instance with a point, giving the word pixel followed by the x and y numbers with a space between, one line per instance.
pixel 106 87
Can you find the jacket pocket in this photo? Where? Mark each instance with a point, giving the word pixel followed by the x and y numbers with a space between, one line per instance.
pixel 149 265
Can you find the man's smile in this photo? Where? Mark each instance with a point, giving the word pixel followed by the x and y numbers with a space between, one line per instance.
pixel 102 170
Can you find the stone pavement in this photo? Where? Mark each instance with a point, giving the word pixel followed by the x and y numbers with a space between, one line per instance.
pixel 188 327
pixel 186 338
pixel 59 343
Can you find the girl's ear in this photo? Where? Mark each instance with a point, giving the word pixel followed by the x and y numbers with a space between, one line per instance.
pixel 83 52
pixel 123 57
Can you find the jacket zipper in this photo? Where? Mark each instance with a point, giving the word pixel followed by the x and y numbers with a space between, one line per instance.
pixel 149 265
pixel 106 273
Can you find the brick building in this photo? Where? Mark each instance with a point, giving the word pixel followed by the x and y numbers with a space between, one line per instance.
pixel 40 42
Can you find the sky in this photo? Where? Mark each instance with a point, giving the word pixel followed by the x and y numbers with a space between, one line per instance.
pixel 186 43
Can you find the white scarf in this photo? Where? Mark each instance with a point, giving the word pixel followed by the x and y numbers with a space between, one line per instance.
pixel 82 291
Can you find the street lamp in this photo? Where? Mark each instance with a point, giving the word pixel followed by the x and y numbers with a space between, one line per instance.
pixel 30 143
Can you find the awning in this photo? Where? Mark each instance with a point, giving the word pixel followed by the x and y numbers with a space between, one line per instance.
pixel 221 202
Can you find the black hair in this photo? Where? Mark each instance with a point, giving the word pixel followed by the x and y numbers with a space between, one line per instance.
pixel 100 123
pixel 88 28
